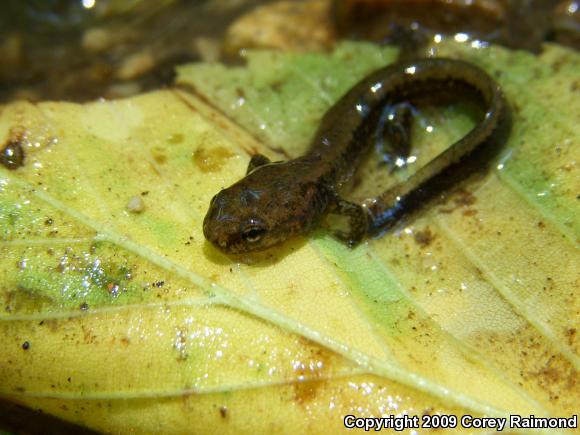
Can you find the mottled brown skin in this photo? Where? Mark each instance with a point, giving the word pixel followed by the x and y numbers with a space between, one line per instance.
pixel 277 201
pixel 296 205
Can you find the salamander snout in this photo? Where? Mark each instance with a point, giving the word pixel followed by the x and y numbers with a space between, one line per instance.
pixel 232 227
pixel 265 208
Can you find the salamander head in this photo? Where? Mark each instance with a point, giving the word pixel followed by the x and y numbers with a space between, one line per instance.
pixel 263 209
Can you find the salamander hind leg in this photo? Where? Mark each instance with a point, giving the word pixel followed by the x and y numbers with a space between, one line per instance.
pixel 394 132
pixel 358 220
pixel 256 161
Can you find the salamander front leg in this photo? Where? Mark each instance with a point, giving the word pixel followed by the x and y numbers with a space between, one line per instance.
pixel 358 222
pixel 256 161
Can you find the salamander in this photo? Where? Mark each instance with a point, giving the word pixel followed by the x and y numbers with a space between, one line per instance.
pixel 279 200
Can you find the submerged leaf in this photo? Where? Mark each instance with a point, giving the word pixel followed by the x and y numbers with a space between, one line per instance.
pixel 131 320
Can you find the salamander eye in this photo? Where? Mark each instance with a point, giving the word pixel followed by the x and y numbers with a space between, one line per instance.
pixel 253 233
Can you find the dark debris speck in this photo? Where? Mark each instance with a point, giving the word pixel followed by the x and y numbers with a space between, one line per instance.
pixel 12 155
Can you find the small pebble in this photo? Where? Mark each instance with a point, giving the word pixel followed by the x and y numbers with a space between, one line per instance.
pixel 209 49
pixel 97 39
pixel 136 204
pixel 123 90
pixel 11 51
pixel 135 65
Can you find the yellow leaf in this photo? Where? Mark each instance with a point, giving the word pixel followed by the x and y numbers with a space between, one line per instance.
pixel 119 316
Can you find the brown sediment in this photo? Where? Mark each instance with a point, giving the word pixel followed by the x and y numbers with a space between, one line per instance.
pixel 424 238
pixel 211 160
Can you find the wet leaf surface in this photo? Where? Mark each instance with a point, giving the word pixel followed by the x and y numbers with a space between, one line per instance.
pixel 116 314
